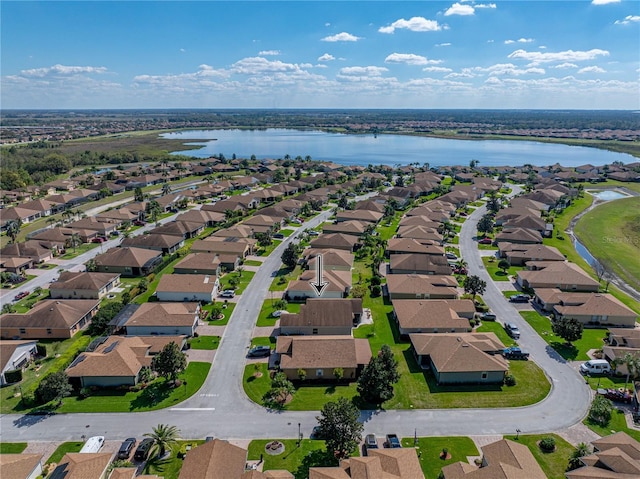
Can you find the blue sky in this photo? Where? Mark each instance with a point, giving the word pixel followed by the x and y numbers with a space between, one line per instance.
pixel 331 54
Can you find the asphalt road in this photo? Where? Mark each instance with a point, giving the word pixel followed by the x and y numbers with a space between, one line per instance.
pixel 221 408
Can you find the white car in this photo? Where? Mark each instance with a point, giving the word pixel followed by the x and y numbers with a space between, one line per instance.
pixel 277 314
pixel 228 293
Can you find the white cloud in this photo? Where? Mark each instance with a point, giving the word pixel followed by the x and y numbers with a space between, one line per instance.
pixel 592 69
pixel 446 44
pixel 628 19
pixel 464 74
pixel 326 57
pixel 182 50
pixel 565 65
pixel 509 42
pixel 542 47
pixel 519 40
pixel 254 65
pixel 437 69
pixel 341 37
pixel 408 58
pixel 61 70
pixel 269 53
pixel 414 24
pixel 363 71
pixel 604 2
pixel 459 9
pixel 485 5
pixel 505 69
pixel 566 56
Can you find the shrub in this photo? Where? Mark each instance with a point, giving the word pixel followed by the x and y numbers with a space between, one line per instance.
pixel 510 380
pixel 601 410
pixel 42 350
pixel 375 280
pixel 14 376
pixel 376 291
pixel 548 444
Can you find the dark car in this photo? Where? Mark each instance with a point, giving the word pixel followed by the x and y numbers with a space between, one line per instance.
pixel 259 352
pixel 515 353
pixel 519 298
pixel 370 442
pixel 316 433
pixel 278 236
pixel 512 330
pixel 142 452
pixel 489 316
pixel 392 441
pixel 126 447
pixel 485 241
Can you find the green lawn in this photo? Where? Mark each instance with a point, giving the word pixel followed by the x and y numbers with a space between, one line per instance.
pixel 59 356
pixel 283 276
pixel 144 297
pixel 64 448
pixel 591 338
pixel 496 273
pixel 245 279
pixel 12 447
pixel 157 395
pixel 22 306
pixel 495 327
pixel 553 463
pixel 265 318
pixel 227 312
pixel 618 423
pixel 429 450
pixel 266 251
pixel 286 232
pixel 263 341
pixel 388 228
pixel 83 248
pixel 611 233
pixel 169 468
pixel 252 262
pixel 296 459
pixel 205 342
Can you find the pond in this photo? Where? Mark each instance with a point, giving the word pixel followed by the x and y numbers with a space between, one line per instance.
pixel 607 195
pixel 386 149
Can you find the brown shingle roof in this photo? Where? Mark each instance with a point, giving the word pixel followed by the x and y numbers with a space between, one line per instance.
pixel 215 459
pixel 432 313
pixel 164 314
pixel 51 313
pixel 76 465
pixel 422 284
pixel 187 283
pixel 18 466
pixel 199 262
pixel 125 256
pixel 83 280
pixel 323 312
pixel 322 352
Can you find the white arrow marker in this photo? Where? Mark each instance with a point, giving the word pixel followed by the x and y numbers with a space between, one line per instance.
pixel 319 285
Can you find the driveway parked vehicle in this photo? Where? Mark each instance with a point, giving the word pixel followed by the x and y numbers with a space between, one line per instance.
pixel 259 352
pixel 596 366
pixel 485 241
pixel 228 293
pixel 19 296
pixel 142 452
pixel 488 316
pixel 515 353
pixel 126 447
pixel 392 441
pixel 519 298
pixel 512 330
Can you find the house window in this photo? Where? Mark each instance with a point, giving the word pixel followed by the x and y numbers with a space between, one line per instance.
pixel 315 331
pixel 319 373
pixel 484 375
pixel 49 331
pixel 23 331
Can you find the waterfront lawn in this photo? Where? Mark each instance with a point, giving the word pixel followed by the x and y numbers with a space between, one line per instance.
pixel 296 459
pixel 618 423
pixel 12 447
pixel 245 279
pixel 157 395
pixel 169 467
pixel 59 356
pixel 64 448
pixel 496 273
pixel 205 342
pixel 430 448
pixel 227 312
pixel 266 319
pixel 577 351
pixel 553 463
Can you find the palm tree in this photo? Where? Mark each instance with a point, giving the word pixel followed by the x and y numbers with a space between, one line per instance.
pixel 163 436
pixel 75 241
pixel 582 450
pixel 632 363
pixel 166 188
pixel 13 229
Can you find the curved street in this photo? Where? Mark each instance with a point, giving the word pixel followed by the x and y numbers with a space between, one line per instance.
pixel 221 408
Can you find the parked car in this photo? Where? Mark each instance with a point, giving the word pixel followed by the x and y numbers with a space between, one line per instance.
pixel 19 296
pixel 316 433
pixel 515 353
pixel 618 395
pixel 370 442
pixel 259 351
pixel 278 236
pixel 228 293
pixel 512 330
pixel 488 316
pixel 392 441
pixel 278 313
pixel 142 452
pixel 452 256
pixel 519 298
pixel 139 223
pixel 98 240
pixel 126 447
pixel 314 233
pixel 596 366
pixel 92 445
pixel 115 233
pixel 485 241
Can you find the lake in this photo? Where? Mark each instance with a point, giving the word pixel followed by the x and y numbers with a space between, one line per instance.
pixel 387 149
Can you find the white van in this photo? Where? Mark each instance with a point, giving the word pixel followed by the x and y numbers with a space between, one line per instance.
pixel 596 366
pixel 93 444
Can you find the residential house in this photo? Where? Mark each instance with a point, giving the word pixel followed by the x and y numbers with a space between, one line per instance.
pixel 188 287
pixel 42 206
pixel 205 263
pixel 520 236
pixel 92 223
pixel 235 231
pixel 323 317
pixel 594 309
pixel 339 285
pixel 412 246
pixel 503 459
pixel 83 285
pixel 214 459
pixel 421 234
pixel 519 254
pixel 164 319
pixel 331 259
pixel 467 358
pixel 128 261
pixel 18 213
pixel 336 241
pixel 49 319
pixel 364 216
pixel 355 228
pixel 264 224
pixel 117 217
pixel 15 355
pixel 421 286
pixel 433 316
pixel 142 181
pixel 532 205
pixel 529 222
pixel 203 217
pixel 557 274
pixel 21 466
pixel 165 243
pixel 320 356
pixel 514 212
pixel 616 456
pixel 370 205
pixel 79 465
pixel 31 249
pixel 118 360
pixel 400 463
pixel 15 264
pixel 239 247
pixel 182 229
pixel 620 342
pixel 421 220
pixel 419 264
pixel 170 201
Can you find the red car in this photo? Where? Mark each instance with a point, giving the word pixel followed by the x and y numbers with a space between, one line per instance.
pixel 98 240
pixel 485 241
pixel 19 296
